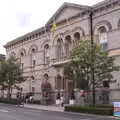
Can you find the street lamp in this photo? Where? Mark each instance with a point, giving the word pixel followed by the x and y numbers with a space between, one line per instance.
pixel 92 56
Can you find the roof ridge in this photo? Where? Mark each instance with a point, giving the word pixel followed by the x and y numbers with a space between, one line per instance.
pixel 102 2
pixel 79 5
pixel 67 4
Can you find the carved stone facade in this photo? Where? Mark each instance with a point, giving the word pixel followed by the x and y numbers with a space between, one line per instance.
pixel 43 52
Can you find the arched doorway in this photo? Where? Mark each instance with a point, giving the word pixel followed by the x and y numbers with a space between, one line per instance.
pixel 46 90
pixel 70 86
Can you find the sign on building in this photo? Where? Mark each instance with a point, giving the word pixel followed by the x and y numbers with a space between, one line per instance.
pixel 116 109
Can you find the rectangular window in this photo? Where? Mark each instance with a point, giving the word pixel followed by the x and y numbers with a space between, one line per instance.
pixel 47 60
pixel 55 83
pixel 103 38
pixel 34 63
pixel 64 85
pixel 21 89
pixel 104 46
pixel 33 89
pixel 22 66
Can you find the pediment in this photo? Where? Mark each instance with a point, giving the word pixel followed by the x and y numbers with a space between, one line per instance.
pixel 66 11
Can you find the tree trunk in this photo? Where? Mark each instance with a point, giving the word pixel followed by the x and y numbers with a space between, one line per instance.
pixel 9 92
pixel 2 93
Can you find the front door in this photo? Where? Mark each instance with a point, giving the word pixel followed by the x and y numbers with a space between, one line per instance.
pixel 70 86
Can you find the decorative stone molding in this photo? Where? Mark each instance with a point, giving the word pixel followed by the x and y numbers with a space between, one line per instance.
pixel 58 36
pixel 31 47
pixel 12 54
pixel 22 51
pixel 79 29
pixel 102 23
pixel 115 52
pixel 44 43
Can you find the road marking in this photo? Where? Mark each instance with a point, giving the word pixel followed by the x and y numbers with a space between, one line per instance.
pixel 86 119
pixel 2 110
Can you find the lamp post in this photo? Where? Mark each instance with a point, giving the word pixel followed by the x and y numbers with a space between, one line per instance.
pixel 92 56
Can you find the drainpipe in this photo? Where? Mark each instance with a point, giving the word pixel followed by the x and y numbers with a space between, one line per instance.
pixel 92 57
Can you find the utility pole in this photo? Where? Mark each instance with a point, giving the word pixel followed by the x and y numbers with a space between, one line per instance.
pixel 92 57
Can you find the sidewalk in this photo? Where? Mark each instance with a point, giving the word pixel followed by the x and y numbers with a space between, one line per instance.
pixel 43 107
pixel 60 109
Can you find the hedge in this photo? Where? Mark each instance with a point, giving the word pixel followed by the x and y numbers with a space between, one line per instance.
pixel 90 110
pixel 8 101
pixel 14 101
pixel 102 106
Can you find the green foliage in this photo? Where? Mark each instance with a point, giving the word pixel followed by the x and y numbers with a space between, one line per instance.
pixel 14 101
pixel 10 73
pixel 2 72
pixel 79 69
pixel 102 106
pixel 90 110
pixel 9 101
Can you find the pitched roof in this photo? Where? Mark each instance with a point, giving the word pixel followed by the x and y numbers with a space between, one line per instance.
pixel 64 5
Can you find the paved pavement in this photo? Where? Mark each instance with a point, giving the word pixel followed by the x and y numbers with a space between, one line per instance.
pixel 8 112
pixel 43 107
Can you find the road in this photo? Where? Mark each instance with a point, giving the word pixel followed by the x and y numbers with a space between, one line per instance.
pixel 8 112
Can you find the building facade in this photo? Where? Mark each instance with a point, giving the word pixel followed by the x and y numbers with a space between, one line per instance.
pixel 44 51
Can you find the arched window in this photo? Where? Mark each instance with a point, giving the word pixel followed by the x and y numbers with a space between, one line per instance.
pixel 32 77
pixel 33 50
pixel 67 45
pixel 46 77
pixel 12 54
pixel 59 48
pixel 103 39
pixel 46 54
pixel 21 54
pixel 77 36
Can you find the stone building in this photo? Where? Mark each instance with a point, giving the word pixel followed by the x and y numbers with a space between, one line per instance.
pixel 43 52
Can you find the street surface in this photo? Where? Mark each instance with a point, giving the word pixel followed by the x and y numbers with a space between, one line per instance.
pixel 9 112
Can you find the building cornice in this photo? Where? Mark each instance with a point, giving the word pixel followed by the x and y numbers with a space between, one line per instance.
pixel 28 36
pixel 106 4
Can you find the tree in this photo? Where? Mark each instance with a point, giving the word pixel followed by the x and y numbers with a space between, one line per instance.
pixel 10 74
pixel 79 69
pixel 2 77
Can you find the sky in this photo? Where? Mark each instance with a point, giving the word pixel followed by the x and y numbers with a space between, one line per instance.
pixel 17 17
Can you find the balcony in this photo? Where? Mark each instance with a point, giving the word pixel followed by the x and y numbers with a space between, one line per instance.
pixel 59 55
pixel 60 61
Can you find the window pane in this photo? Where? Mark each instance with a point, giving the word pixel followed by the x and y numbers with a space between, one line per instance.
pixel 77 36
pixel 34 62
pixel 22 65
pixel 104 46
pixel 33 89
pixel 46 54
pixel 103 38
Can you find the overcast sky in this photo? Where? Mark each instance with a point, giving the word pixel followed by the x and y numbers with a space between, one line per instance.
pixel 18 17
